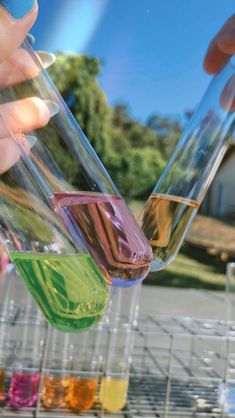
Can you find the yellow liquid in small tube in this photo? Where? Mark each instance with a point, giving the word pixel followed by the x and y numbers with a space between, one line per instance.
pixel 113 393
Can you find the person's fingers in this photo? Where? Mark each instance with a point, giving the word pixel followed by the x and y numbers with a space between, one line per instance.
pixel 10 151
pixel 215 58
pixel 16 18
pixel 20 66
pixel 9 154
pixel 221 47
pixel 26 115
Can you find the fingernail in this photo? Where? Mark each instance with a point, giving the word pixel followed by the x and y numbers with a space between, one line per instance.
pixel 17 8
pixel 31 140
pixel 52 107
pixel 47 58
pixel 30 38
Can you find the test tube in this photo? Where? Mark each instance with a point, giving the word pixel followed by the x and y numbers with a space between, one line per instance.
pixel 122 320
pixel 92 206
pixel 174 202
pixel 62 278
pixel 85 366
pixel 57 384
pixel 26 353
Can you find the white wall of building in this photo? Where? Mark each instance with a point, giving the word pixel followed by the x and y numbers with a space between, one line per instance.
pixel 220 199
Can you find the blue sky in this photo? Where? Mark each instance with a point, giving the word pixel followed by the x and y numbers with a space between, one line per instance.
pixel 152 50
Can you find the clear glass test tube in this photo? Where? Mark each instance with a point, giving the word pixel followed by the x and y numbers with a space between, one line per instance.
pixel 8 314
pixel 230 293
pixel 4 353
pixel 174 202
pixel 121 322
pixel 92 206
pixel 26 335
pixel 86 369
pixel 62 278
pixel 57 382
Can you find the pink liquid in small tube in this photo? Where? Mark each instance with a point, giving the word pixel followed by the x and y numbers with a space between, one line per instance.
pixel 23 389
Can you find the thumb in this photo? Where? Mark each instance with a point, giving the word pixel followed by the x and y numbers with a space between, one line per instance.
pixel 16 18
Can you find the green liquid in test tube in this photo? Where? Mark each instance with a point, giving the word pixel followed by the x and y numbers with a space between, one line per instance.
pixel 63 279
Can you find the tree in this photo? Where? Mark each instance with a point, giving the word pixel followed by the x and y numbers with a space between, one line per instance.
pixel 76 79
pixel 127 148
pixel 133 153
pixel 167 131
pixel 139 172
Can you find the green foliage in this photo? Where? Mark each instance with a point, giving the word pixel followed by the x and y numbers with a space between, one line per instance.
pixel 75 77
pixel 133 153
pixel 167 130
pixel 142 167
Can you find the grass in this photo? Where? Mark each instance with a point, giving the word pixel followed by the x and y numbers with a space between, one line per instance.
pixel 191 268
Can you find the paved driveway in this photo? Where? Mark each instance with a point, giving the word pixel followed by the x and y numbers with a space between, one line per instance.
pixel 183 302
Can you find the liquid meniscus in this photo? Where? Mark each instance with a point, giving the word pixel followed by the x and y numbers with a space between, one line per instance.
pixel 113 393
pixel 69 289
pixel 165 220
pixel 110 233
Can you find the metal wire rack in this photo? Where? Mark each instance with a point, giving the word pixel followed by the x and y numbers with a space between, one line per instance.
pixel 179 367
